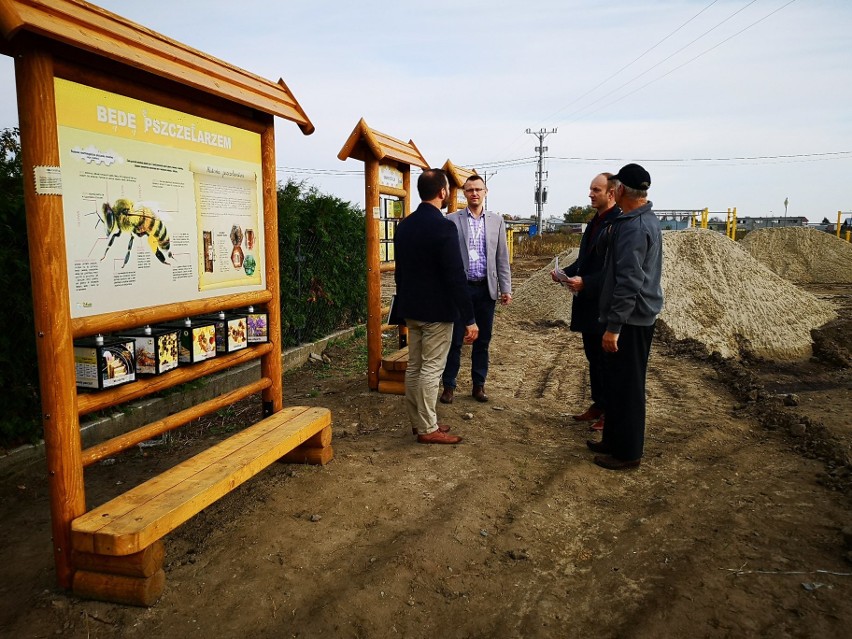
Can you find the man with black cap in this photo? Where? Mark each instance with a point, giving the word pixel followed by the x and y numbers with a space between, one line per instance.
pixel 631 299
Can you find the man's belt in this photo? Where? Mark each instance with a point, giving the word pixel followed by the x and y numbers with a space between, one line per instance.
pixel 481 282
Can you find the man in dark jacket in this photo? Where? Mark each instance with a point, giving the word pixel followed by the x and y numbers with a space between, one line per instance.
pixel 584 281
pixel 631 300
pixel 431 293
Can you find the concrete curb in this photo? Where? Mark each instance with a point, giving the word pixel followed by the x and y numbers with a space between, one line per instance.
pixel 147 410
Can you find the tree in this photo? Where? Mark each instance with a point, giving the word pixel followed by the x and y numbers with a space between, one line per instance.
pixel 825 221
pixel 577 214
pixel 322 244
pixel 20 421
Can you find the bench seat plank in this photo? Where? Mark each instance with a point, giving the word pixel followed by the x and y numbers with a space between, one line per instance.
pixel 133 521
pixel 396 361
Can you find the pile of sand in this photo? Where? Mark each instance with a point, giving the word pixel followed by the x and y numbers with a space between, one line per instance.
pixel 801 254
pixel 716 293
pixel 540 299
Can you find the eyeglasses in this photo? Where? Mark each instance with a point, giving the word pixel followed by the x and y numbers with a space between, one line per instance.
pixel 474 190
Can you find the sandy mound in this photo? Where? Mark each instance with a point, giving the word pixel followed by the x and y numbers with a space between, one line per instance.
pixel 540 299
pixel 716 293
pixel 801 254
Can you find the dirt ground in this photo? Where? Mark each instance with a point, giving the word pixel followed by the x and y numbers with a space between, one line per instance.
pixel 732 527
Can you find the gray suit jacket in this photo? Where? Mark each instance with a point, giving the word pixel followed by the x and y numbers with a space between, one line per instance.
pixel 496 251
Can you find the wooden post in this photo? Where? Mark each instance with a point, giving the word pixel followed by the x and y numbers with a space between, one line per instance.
pixel 270 364
pixel 374 276
pixel 406 211
pixel 51 304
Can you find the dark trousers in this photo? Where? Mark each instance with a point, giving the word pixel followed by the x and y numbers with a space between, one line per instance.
pixel 624 372
pixel 483 312
pixel 594 355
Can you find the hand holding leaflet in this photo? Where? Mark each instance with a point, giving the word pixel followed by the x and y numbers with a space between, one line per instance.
pixel 558 275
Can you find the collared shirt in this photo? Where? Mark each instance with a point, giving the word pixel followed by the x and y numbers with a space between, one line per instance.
pixel 476 269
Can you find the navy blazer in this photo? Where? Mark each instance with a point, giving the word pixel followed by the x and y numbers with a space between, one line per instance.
pixel 589 265
pixel 431 283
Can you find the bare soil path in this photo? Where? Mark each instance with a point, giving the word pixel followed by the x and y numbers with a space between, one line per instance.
pixel 732 527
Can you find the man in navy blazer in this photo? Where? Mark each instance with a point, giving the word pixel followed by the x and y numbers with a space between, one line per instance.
pixel 431 294
pixel 482 242
pixel 583 277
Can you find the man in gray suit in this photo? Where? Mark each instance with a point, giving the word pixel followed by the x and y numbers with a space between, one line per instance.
pixel 482 241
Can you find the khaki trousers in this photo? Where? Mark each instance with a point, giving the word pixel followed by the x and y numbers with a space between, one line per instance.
pixel 428 345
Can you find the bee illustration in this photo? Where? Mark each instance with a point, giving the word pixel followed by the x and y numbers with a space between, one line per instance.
pixel 136 220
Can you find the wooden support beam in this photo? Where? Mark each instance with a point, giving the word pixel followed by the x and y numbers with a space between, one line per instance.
pixel 91 402
pixel 115 445
pixel 132 591
pixel 111 322
pixel 321 440
pixel 391 387
pixel 270 364
pixel 314 456
pixel 374 281
pixel 51 304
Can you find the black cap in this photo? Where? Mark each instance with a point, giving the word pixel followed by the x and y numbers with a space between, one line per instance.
pixel 634 177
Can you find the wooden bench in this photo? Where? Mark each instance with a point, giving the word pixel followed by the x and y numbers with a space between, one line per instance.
pixel 392 372
pixel 114 543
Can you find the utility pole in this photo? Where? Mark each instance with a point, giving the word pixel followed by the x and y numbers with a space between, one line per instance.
pixel 485 179
pixel 540 175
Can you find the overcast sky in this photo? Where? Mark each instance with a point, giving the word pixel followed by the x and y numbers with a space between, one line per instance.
pixel 728 103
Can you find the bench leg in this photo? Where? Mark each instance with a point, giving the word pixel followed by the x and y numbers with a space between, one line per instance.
pixel 136 580
pixel 316 450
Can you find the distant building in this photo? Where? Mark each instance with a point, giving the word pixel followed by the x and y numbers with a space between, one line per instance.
pixel 755 223
pixel 673 220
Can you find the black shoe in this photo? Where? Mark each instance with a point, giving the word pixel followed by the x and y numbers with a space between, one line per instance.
pixel 613 463
pixel 597 447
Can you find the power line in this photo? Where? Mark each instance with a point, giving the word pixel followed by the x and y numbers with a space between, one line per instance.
pixel 828 155
pixel 680 66
pixel 636 59
pixel 518 162
pixel 666 59
pixel 325 172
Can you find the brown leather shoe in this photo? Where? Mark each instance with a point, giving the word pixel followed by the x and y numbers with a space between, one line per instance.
pixel 598 425
pixel 592 413
pixel 597 447
pixel 613 463
pixel 447 396
pixel 444 428
pixel 479 394
pixel 437 437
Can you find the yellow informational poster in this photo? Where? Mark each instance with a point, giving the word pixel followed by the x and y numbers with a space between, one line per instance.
pixel 160 206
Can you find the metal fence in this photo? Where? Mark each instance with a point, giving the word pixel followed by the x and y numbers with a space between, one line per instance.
pixel 319 293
